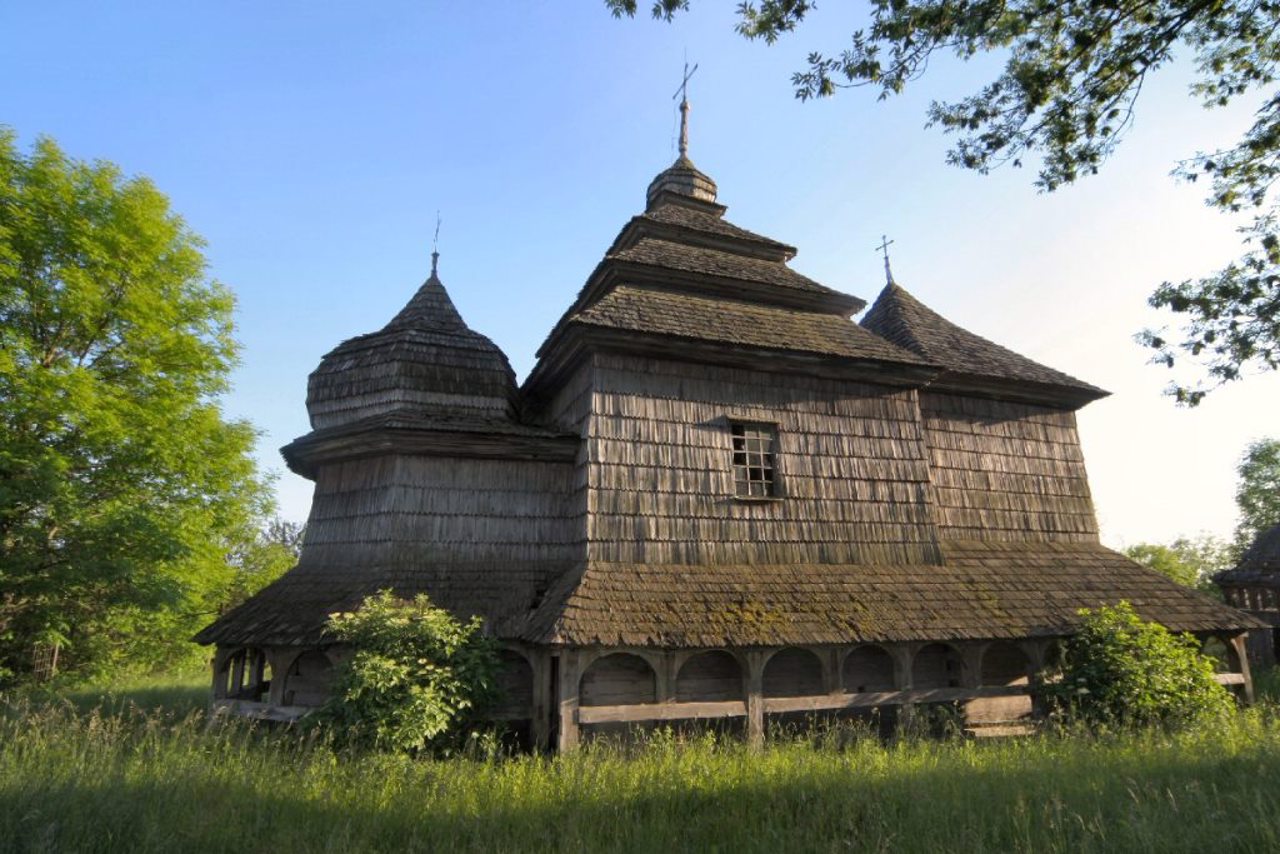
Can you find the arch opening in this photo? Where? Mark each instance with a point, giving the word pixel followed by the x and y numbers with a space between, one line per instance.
pixel 867 669
pixel 1004 664
pixel 709 677
pixel 308 680
pixel 245 675
pixel 937 665
pixel 793 672
pixel 618 679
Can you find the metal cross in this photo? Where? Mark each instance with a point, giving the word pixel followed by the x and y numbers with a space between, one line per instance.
pixel 683 92
pixel 885 243
pixel 435 245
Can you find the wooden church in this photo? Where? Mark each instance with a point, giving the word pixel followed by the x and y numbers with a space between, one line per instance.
pixel 716 496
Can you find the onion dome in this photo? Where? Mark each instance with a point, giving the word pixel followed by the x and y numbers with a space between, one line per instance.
pixel 681 178
pixel 425 363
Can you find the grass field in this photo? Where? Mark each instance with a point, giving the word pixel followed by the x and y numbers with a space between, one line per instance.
pixel 99 773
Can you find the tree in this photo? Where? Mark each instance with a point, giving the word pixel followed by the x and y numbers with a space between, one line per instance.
pixel 1258 493
pixel 262 559
pixel 1072 74
pixel 1192 562
pixel 1121 670
pixel 122 486
pixel 417 678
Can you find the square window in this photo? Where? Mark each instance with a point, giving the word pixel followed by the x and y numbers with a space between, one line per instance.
pixel 753 452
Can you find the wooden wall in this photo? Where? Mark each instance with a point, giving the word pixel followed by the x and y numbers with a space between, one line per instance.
pixel 852 466
pixel 435 508
pixel 1006 471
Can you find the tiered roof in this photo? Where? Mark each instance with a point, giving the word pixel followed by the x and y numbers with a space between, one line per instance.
pixel 682 282
pixel 1259 565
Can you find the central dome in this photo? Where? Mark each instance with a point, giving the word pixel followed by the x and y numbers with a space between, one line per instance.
pixel 683 179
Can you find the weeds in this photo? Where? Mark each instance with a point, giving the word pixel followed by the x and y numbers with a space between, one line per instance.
pixel 124 777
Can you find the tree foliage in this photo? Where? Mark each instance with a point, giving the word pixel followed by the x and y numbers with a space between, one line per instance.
pixel 1258 492
pixel 417 679
pixel 1190 561
pixel 1072 74
pixel 1120 670
pixel 122 486
pixel 260 560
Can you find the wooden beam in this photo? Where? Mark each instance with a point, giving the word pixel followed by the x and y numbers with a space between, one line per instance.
pixel 1230 678
pixel 821 702
pixel 661 712
pixel 773 705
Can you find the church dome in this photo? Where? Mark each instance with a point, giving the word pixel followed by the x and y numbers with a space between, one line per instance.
pixel 683 179
pixel 425 363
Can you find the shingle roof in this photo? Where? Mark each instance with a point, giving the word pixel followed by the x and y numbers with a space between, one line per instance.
pixel 1260 563
pixel 899 317
pixel 425 360
pixel 751 324
pixel 982 591
pixel 294 609
pixel 699 221
pixel 670 255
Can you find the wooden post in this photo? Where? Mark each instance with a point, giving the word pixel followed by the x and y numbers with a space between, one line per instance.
pixel 219 678
pixel 568 701
pixel 1239 644
pixel 237 672
pixel 903 659
pixel 543 690
pixel 971 664
pixel 831 675
pixel 755 697
pixel 665 677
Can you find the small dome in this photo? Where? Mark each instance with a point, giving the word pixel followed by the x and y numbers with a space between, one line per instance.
pixel 425 363
pixel 684 179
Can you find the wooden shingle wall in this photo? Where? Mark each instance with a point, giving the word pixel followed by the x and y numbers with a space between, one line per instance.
pixel 1006 471
pixel 851 466
pixel 570 410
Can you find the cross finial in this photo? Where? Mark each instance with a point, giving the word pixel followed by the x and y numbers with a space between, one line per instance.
pixel 885 243
pixel 435 246
pixel 683 92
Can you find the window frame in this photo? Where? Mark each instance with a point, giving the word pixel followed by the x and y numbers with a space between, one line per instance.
pixel 742 455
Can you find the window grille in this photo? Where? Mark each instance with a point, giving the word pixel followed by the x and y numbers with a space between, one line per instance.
pixel 753 457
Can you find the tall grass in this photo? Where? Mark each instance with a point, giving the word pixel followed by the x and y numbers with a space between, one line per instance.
pixel 123 779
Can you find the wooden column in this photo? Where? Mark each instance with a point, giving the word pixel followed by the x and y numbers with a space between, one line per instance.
pixel 282 658
pixel 543 691
pixel 1239 644
pixel 569 677
pixel 665 677
pixel 219 678
pixel 831 675
pixel 237 673
pixel 755 696
pixel 971 664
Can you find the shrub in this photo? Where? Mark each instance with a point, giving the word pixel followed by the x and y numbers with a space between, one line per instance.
pixel 417 678
pixel 1121 670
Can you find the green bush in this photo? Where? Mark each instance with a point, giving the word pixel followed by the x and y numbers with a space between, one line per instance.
pixel 417 679
pixel 1120 670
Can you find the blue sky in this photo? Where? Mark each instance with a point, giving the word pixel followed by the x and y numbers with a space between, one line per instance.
pixel 311 144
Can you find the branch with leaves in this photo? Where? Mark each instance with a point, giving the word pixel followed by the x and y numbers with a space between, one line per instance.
pixel 1073 72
